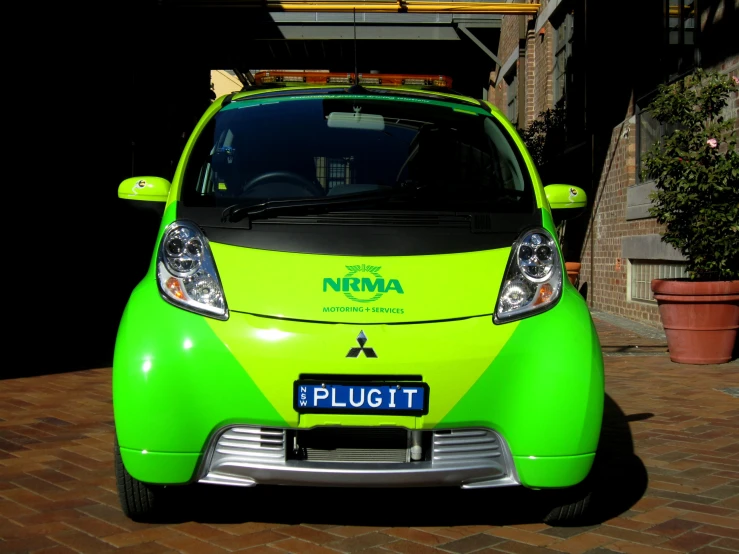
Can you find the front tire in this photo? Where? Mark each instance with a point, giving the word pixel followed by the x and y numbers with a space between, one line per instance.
pixel 139 501
pixel 570 506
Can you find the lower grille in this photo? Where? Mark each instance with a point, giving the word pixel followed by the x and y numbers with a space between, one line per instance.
pixel 263 444
pixel 341 444
pixel 359 457
pixel 465 445
pixel 356 455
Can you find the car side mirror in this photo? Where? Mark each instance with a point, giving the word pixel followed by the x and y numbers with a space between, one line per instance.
pixel 565 201
pixel 146 189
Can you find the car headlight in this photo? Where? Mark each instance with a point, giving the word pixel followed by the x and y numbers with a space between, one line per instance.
pixel 533 277
pixel 186 271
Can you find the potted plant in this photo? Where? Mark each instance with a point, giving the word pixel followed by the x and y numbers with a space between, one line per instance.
pixel 573 268
pixel 696 172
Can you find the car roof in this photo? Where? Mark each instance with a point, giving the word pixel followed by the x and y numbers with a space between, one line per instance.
pixel 438 94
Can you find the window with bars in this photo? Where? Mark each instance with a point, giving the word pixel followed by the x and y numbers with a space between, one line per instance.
pixel 334 172
pixel 562 55
pixel 649 131
pixel 681 19
pixel 681 28
pixel 641 273
pixel 679 58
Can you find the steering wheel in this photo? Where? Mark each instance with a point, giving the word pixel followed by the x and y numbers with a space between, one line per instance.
pixel 287 180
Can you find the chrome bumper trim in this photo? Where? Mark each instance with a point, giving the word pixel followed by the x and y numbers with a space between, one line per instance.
pixel 467 458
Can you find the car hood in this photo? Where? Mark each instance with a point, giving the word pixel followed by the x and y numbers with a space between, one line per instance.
pixel 346 289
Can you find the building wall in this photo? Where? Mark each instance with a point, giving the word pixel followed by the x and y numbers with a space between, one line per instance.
pixel 498 93
pixel 604 269
pixel 537 54
pixel 605 253
pixel 619 229
pixel 531 62
pixel 543 51
pixel 526 66
pixel 730 66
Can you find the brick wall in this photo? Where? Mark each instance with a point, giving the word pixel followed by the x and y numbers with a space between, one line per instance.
pixel 507 44
pixel 543 91
pixel 717 22
pixel 508 36
pixel 538 65
pixel 603 267
pixel 604 270
pixel 509 40
pixel 532 66
pixel 731 67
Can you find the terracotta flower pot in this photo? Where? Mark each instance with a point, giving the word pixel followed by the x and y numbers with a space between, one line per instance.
pixel 573 270
pixel 700 319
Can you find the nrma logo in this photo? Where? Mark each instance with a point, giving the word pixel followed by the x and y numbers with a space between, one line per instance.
pixel 363 283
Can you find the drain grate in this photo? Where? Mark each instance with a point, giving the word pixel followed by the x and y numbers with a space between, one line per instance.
pixel 731 391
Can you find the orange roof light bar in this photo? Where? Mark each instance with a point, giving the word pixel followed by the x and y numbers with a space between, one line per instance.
pixel 323 78
pixel 376 6
pixel 395 6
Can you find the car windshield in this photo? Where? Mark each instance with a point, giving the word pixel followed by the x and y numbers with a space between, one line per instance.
pixel 435 156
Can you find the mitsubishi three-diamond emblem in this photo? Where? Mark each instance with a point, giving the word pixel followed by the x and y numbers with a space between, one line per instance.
pixel 362 340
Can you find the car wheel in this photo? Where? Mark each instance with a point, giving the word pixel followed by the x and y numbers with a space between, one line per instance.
pixel 569 506
pixel 139 501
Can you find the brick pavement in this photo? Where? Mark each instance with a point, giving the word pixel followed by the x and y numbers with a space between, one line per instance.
pixel 667 480
pixel 621 335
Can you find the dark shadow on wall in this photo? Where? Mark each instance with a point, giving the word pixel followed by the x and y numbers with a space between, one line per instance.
pixel 619 481
pixel 119 101
pixel 722 21
pixel 112 102
pixel 618 73
pixel 99 246
pixel 606 74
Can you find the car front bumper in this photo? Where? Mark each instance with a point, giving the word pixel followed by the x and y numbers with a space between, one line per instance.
pixel 247 456
pixel 181 380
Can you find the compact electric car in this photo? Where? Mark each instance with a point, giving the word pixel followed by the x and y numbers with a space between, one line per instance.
pixel 356 284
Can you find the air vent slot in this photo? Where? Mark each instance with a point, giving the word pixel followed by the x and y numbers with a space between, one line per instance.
pixel 469 445
pixel 482 223
pixel 254 443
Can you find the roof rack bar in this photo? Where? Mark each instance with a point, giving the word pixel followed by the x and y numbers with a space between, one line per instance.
pixel 246 78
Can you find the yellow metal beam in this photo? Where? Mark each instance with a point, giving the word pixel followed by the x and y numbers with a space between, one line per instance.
pixel 400 6
pixel 688 11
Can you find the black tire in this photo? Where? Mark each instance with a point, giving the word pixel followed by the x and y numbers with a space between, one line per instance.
pixel 139 501
pixel 570 506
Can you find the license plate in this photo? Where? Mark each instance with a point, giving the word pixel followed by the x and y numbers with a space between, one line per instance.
pixel 361 398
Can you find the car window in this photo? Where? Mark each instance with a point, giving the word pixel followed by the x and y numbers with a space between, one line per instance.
pixel 448 159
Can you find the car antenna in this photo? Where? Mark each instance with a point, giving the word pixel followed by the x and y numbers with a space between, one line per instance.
pixel 356 88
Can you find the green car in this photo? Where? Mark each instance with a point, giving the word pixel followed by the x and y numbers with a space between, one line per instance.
pixel 356 286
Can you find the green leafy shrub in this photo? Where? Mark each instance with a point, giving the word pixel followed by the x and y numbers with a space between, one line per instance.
pixel 545 137
pixel 696 172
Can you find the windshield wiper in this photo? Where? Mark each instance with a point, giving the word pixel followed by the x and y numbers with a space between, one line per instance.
pixel 237 212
